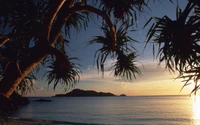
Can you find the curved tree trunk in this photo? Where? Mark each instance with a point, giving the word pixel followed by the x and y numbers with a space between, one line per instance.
pixel 14 73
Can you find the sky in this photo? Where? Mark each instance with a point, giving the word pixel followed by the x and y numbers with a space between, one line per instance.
pixel 155 80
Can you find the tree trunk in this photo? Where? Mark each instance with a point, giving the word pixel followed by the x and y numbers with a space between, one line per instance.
pixel 14 74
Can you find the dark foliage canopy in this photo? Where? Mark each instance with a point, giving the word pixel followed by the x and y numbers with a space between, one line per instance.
pixel 22 24
pixel 179 41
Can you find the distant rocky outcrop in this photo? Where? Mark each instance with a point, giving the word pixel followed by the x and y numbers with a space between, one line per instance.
pixel 84 93
pixel 43 100
pixel 122 95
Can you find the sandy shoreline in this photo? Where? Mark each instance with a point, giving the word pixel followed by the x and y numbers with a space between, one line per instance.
pixel 36 122
pixel 17 121
pixel 28 122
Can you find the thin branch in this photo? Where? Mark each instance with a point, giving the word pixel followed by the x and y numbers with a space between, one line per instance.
pixel 54 51
pixel 87 8
pixel 187 10
pixel 65 13
pixel 5 39
pixel 51 14
pixel 58 24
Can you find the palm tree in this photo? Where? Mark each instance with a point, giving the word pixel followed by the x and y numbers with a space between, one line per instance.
pixel 27 85
pixel 123 9
pixel 177 39
pixel 178 42
pixel 63 71
pixel 192 75
pixel 124 66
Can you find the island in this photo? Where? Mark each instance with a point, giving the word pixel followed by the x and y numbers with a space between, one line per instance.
pixel 42 100
pixel 84 93
pixel 122 95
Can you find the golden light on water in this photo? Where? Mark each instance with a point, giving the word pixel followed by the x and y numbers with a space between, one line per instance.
pixel 196 109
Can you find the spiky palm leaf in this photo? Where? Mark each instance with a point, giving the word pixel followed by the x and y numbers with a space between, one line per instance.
pixel 123 9
pixel 124 45
pixel 192 75
pixel 125 66
pixel 177 39
pixel 63 71
pixel 27 85
pixel 106 49
pixel 77 21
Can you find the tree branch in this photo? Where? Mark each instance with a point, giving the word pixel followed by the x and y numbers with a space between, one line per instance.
pixel 37 54
pixel 187 10
pixel 56 52
pixel 65 13
pixel 60 21
pixel 87 8
pixel 51 14
pixel 5 39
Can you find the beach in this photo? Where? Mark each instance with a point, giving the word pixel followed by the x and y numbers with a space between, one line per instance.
pixel 27 122
pixel 18 121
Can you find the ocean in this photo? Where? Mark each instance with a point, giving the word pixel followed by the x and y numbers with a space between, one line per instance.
pixel 135 110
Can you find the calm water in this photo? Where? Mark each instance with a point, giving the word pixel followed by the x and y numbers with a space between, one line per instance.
pixel 149 110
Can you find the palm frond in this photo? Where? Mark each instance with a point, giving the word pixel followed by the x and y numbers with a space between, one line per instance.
pixel 125 66
pixel 123 9
pixel 124 45
pixel 27 85
pixel 177 40
pixel 77 21
pixel 192 75
pixel 64 72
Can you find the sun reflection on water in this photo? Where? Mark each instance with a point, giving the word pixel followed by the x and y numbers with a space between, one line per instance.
pixel 196 109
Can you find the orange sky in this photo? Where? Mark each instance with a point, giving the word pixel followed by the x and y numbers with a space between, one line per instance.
pixel 153 81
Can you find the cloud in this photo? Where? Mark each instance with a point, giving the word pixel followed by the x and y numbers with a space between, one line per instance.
pixel 149 70
pixel 39 88
pixel 33 81
pixel 93 74
pixel 90 67
pixel 153 77
pixel 125 85
pixel 108 64
pixel 38 85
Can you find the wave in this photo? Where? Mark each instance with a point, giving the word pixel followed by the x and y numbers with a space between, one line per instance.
pixel 49 122
pixel 136 121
